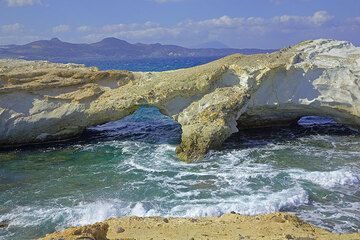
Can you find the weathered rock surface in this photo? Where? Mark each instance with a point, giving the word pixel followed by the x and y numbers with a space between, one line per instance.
pixel 42 101
pixel 276 226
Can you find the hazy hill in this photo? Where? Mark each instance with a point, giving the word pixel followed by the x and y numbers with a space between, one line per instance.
pixel 110 48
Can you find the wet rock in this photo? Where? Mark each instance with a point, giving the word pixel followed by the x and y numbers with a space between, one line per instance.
pixel 4 223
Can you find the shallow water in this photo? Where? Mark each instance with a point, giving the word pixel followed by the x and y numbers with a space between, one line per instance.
pixel 129 167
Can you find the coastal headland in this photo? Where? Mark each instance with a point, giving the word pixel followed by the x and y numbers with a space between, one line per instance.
pixel 43 102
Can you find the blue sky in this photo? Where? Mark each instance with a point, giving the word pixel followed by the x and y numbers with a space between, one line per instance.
pixel 236 23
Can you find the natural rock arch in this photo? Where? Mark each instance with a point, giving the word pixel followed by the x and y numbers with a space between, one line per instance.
pixel 41 101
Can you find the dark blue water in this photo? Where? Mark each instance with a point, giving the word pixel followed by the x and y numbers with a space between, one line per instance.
pixel 129 167
pixel 151 65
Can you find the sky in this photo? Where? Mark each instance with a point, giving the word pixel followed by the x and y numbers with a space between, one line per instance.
pixel 235 23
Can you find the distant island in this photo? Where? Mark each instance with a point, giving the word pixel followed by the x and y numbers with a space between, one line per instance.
pixel 111 49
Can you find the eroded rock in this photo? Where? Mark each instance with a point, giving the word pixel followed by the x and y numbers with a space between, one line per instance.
pixel 42 101
pixel 228 226
pixel 97 231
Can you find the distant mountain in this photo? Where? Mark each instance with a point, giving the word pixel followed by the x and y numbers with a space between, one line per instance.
pixel 110 49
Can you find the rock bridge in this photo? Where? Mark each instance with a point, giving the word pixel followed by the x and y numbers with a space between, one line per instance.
pixel 42 101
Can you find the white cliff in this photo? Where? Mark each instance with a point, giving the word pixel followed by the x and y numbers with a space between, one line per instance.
pixel 41 101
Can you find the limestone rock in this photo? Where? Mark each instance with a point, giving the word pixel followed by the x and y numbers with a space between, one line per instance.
pixel 228 226
pixel 42 101
pixel 97 231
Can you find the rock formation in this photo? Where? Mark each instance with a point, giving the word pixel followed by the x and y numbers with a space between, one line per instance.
pixel 42 101
pixel 229 226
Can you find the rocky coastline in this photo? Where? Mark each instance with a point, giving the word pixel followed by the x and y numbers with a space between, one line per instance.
pixel 44 102
pixel 276 226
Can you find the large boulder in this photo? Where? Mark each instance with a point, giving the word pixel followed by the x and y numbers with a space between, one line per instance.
pixel 42 101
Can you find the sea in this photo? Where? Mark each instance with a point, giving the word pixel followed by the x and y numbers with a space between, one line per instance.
pixel 129 167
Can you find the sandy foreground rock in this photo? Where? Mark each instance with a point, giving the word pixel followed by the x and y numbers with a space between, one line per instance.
pixel 229 226
pixel 42 101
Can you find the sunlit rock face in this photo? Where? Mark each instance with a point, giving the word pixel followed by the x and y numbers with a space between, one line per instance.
pixel 42 101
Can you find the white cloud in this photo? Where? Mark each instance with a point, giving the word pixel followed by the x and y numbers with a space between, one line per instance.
pixel 84 28
pixel 21 3
pixel 17 39
pixel 357 20
pixel 129 27
pixel 61 28
pixel 223 21
pixel 321 17
pixel 233 31
pixel 317 19
pixel 224 28
pixel 12 28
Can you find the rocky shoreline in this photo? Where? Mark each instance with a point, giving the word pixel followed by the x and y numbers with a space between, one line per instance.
pixel 45 102
pixel 273 226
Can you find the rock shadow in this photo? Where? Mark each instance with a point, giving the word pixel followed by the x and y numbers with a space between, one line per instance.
pixel 306 126
pixel 146 124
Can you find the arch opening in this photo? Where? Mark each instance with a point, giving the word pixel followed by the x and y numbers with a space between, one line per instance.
pixel 288 131
pixel 146 124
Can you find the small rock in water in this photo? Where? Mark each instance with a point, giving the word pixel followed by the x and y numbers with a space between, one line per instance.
pixel 4 224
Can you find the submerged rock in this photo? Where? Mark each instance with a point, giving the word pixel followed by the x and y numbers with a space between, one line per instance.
pixel 42 101
pixel 4 223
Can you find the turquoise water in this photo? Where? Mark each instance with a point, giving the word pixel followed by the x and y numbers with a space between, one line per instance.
pixel 129 167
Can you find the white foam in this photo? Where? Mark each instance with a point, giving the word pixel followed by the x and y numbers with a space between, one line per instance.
pixel 87 213
pixel 249 205
pixel 140 210
pixel 346 220
pixel 226 181
pixel 187 194
pixel 81 214
pixel 330 179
